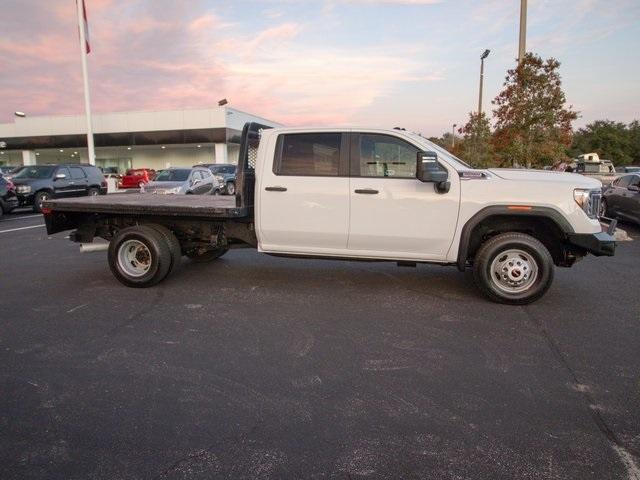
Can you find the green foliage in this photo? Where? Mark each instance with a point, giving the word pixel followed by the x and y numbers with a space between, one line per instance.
pixel 614 141
pixel 532 122
pixel 476 147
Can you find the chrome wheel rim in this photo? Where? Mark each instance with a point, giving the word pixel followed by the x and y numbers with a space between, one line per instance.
pixel 43 198
pixel 514 271
pixel 231 189
pixel 134 258
pixel 93 193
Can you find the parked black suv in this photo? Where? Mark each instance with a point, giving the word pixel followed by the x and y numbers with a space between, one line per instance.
pixel 37 183
pixel 8 198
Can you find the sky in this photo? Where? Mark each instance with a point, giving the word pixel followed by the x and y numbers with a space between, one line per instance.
pixel 387 63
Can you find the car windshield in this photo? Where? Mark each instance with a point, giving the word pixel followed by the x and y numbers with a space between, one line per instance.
pixel 179 175
pixel 35 172
pixel 222 169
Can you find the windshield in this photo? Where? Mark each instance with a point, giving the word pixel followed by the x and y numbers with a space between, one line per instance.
pixel 35 172
pixel 180 175
pixel 222 169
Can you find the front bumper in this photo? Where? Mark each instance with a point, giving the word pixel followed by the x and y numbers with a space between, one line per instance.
pixel 9 203
pixel 25 199
pixel 599 244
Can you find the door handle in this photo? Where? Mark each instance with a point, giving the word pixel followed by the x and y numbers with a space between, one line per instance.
pixel 367 191
pixel 276 189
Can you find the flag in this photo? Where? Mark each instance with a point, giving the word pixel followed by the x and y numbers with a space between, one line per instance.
pixel 86 27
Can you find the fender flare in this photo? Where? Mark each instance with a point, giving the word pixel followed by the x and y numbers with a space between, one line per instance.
pixel 504 210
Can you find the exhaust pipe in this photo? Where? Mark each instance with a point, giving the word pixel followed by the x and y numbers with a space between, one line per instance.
pixel 93 247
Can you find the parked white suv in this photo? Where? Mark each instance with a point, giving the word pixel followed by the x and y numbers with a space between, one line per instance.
pixel 365 194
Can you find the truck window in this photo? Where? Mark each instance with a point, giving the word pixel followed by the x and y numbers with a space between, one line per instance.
pixel 386 156
pixel 308 154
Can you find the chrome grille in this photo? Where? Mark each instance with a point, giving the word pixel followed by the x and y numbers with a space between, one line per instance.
pixel 593 208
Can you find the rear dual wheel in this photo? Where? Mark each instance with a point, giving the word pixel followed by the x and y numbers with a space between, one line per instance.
pixel 143 255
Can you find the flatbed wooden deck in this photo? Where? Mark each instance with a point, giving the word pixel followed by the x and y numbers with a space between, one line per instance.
pixel 202 206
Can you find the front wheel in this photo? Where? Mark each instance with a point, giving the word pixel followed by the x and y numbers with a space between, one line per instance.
pixel 93 192
pixel 39 199
pixel 231 188
pixel 513 268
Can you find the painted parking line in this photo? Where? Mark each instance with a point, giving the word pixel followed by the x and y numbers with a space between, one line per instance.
pixel 21 228
pixel 20 218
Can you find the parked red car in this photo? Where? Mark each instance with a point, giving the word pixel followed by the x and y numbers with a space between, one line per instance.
pixel 136 177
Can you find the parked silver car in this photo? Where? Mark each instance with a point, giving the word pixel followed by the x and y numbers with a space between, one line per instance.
pixel 181 181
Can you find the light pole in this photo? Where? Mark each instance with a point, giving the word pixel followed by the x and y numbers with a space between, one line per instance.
pixel 484 55
pixel 20 114
pixel 453 135
pixel 523 31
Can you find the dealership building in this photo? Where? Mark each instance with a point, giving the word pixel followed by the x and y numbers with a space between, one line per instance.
pixel 157 140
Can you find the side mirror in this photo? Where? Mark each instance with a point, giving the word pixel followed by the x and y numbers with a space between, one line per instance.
pixel 60 176
pixel 428 170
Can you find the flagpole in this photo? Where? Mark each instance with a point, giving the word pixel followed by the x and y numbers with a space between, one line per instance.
pixel 85 78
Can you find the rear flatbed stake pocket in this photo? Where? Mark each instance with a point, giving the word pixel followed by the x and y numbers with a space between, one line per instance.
pixel 355 194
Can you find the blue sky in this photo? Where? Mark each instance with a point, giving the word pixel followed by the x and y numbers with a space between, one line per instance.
pixel 411 63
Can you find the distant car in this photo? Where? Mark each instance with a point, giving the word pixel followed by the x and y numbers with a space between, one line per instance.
pixel 136 177
pixel 182 181
pixel 628 169
pixel 225 173
pixel 621 199
pixel 8 197
pixel 38 183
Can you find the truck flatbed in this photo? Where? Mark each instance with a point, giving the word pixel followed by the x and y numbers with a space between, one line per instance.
pixel 201 206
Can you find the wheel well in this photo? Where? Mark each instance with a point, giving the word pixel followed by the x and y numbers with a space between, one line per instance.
pixel 545 229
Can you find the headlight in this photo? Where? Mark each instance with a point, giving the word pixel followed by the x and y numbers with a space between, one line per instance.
pixel 589 200
pixel 23 189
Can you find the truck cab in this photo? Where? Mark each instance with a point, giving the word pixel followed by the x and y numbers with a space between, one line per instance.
pixel 360 194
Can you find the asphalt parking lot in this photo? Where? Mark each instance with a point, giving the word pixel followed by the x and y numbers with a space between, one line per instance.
pixel 262 367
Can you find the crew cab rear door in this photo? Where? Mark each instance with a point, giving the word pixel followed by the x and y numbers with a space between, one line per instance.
pixel 393 214
pixel 304 194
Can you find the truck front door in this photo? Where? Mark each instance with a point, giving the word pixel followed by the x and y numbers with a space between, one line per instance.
pixel 393 214
pixel 304 194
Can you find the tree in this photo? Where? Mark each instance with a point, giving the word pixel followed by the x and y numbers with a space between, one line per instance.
pixel 610 140
pixel 533 125
pixel 476 147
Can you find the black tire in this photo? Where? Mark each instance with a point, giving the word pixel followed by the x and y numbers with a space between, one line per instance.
pixel 93 192
pixel 231 188
pixel 2 211
pixel 206 256
pixel 38 199
pixel 172 241
pixel 159 256
pixel 533 254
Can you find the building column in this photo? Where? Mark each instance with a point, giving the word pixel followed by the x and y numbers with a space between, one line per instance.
pixel 28 157
pixel 221 152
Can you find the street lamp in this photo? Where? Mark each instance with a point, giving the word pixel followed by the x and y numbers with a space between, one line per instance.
pixel 20 114
pixel 484 55
pixel 522 38
pixel 453 135
pixel 222 102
